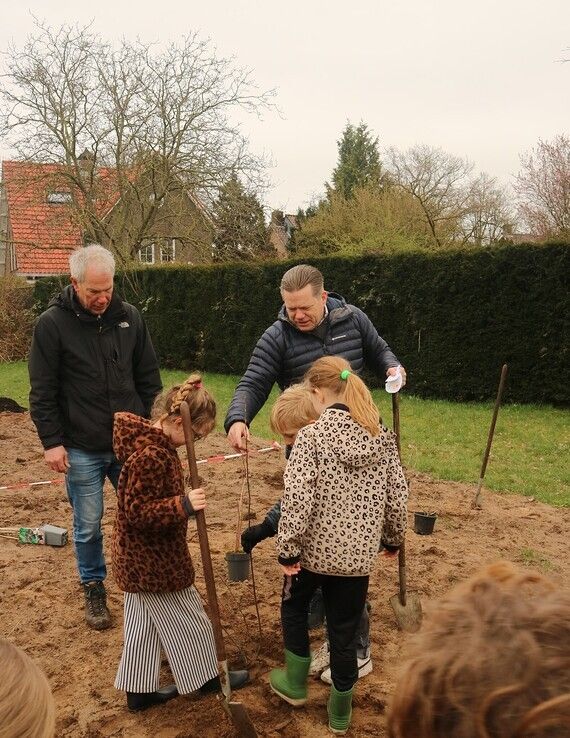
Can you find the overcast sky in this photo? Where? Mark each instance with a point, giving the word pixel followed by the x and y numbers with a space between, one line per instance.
pixel 478 79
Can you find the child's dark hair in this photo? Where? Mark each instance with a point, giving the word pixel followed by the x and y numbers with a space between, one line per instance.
pixel 201 404
pixel 335 374
pixel 493 661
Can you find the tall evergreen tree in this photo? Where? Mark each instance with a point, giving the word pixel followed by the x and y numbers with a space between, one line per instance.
pixel 358 161
pixel 241 232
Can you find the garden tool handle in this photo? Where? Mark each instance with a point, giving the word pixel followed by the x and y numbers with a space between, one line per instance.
pixel 402 549
pixel 203 535
pixel 402 572
pixel 396 420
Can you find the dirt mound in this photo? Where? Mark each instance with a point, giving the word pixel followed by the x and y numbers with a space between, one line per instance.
pixel 7 405
pixel 42 606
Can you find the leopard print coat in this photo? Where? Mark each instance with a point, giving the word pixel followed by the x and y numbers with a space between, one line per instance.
pixel 345 492
pixel 150 553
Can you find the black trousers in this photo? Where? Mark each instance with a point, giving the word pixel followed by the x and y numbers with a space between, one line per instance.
pixel 344 599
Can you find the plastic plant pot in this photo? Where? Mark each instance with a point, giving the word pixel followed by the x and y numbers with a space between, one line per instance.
pixel 238 565
pixel 424 523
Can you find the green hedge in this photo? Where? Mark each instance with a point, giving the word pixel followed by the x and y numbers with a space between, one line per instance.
pixel 452 318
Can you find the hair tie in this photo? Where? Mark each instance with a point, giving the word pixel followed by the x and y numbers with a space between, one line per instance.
pixel 345 373
pixel 197 385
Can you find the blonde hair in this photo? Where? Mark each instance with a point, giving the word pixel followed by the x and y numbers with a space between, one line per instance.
pixel 300 276
pixel 292 410
pixel 326 373
pixel 200 402
pixel 27 709
pixel 493 661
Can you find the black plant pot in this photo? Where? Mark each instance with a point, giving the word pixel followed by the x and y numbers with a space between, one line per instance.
pixel 238 565
pixel 424 522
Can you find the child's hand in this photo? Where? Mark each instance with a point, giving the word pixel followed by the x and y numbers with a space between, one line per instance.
pixel 197 498
pixel 291 569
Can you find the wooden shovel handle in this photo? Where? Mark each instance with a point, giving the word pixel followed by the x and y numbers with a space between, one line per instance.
pixel 402 549
pixel 203 535
pixel 396 420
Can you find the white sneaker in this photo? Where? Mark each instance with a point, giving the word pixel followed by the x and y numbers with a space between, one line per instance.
pixel 320 660
pixel 364 668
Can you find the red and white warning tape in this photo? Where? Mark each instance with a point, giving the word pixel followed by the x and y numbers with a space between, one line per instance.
pixel 210 460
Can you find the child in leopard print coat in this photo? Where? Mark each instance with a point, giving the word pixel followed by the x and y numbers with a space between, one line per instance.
pixel 345 493
pixel 151 560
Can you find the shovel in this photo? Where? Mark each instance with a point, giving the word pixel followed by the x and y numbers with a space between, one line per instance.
pixel 405 604
pixel 235 710
pixel 477 499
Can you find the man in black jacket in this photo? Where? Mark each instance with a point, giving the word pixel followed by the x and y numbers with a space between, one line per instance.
pixel 312 323
pixel 91 357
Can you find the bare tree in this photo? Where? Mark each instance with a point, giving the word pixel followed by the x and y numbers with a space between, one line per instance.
pixel 439 183
pixel 543 188
pixel 488 214
pixel 148 123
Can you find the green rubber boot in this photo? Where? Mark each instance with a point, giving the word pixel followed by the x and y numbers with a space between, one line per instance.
pixel 339 708
pixel 291 683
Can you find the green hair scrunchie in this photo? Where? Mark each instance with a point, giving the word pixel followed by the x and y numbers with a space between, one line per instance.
pixel 345 373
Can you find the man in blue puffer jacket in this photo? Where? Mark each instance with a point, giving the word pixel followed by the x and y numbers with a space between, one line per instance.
pixel 311 323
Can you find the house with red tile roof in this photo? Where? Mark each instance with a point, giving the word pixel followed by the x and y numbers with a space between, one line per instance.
pixel 281 230
pixel 38 230
pixel 41 219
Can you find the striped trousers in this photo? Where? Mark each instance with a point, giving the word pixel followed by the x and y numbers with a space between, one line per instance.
pixel 175 622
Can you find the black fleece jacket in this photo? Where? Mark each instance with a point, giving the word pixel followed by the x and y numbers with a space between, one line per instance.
pixel 284 353
pixel 84 368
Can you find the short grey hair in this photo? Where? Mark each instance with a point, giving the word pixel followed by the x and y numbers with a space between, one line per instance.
pixel 92 255
pixel 300 276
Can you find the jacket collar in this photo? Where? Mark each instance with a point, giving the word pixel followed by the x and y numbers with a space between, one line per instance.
pixel 67 300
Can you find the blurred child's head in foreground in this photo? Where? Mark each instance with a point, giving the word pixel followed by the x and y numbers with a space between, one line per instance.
pixel 493 661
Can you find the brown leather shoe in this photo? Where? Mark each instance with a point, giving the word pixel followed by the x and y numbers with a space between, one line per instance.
pixel 97 614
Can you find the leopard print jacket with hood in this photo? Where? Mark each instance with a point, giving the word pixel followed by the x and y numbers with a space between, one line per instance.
pixel 345 493
pixel 150 553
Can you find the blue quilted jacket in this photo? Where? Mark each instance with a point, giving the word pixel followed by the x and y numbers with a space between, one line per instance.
pixel 284 353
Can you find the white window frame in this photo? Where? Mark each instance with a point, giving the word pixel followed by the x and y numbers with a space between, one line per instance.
pixel 144 248
pixel 170 246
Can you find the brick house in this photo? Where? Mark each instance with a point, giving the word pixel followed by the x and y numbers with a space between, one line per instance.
pixel 40 225
pixel 281 230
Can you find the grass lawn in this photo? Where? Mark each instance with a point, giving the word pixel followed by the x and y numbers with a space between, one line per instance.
pixel 530 453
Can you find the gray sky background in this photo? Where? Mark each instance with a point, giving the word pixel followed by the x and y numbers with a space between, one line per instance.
pixel 478 79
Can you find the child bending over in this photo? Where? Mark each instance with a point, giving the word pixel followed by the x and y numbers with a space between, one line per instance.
pixel 345 493
pixel 493 661
pixel 151 560
pixel 292 411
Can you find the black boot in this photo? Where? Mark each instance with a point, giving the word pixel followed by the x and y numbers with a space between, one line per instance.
pixel 137 701
pixel 255 534
pixel 237 679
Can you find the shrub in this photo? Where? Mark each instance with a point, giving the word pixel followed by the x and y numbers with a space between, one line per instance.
pixel 453 317
pixel 16 318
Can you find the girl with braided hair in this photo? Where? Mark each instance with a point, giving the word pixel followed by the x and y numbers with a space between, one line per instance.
pixel 151 561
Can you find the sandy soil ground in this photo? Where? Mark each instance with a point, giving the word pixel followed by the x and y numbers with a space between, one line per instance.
pixel 41 604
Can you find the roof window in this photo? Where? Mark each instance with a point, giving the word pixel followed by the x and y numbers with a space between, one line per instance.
pixel 59 198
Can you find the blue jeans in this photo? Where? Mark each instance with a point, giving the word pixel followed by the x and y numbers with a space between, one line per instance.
pixel 84 483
